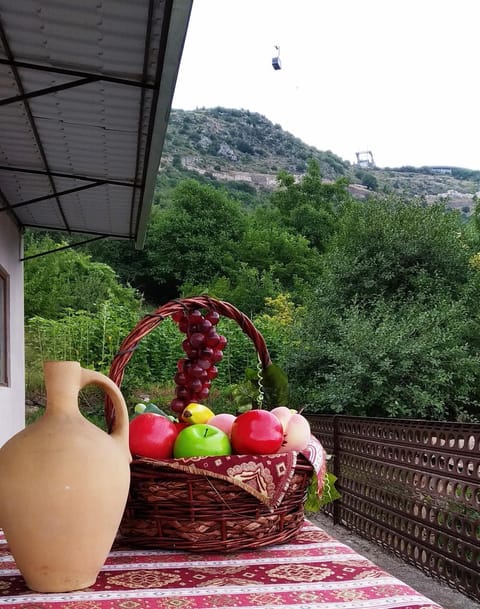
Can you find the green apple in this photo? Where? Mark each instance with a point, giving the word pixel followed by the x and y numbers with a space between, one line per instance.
pixel 201 440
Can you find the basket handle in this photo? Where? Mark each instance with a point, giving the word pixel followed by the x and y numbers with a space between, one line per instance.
pixel 150 321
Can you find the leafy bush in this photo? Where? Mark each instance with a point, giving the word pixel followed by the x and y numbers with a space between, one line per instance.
pixel 408 360
pixel 394 249
pixel 67 279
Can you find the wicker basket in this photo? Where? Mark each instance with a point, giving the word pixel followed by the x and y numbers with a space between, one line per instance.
pixel 173 509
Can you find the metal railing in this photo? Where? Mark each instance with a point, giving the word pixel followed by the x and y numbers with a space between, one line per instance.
pixel 411 486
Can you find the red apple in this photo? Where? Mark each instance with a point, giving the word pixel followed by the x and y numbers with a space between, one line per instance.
pixel 179 425
pixel 152 435
pixel 223 421
pixel 201 440
pixel 256 432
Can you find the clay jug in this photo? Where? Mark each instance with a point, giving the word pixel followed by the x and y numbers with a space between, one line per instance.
pixel 64 484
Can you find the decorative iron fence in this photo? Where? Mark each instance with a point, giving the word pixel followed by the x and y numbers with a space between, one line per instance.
pixel 413 487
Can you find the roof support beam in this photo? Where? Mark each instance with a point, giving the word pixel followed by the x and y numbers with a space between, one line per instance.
pixel 166 18
pixel 98 233
pixel 64 247
pixel 72 176
pixel 76 73
pixel 51 196
pixel 46 91
pixel 178 15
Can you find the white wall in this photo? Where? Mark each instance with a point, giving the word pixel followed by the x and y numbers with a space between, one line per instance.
pixel 12 397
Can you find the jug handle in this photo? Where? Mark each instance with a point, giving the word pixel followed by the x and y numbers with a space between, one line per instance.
pixel 120 429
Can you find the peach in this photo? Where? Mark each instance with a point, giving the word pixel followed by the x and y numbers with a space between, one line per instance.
pixel 223 421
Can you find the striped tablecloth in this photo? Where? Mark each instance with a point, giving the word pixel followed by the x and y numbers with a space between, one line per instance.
pixel 314 572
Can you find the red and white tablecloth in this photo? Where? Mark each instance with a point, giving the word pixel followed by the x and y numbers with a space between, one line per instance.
pixel 314 572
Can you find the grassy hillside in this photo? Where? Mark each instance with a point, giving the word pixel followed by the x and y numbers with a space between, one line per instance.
pixel 237 147
pixel 244 152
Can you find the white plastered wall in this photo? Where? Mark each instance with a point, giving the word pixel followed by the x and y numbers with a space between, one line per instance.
pixel 12 396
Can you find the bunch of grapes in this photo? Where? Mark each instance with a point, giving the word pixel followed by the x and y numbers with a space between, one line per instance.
pixel 203 347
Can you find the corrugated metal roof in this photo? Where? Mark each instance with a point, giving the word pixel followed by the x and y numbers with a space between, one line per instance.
pixel 85 94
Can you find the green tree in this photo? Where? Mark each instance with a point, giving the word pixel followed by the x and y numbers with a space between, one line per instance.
pixel 392 327
pixel 247 289
pixel 195 239
pixel 269 246
pixel 130 264
pixel 309 206
pixel 192 238
pixel 394 249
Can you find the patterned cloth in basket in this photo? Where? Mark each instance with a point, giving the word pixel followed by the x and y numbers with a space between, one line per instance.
pixel 266 477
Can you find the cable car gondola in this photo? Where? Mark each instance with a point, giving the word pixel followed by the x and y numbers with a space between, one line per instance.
pixel 276 63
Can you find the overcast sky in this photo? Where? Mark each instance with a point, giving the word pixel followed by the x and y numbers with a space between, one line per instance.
pixel 397 77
